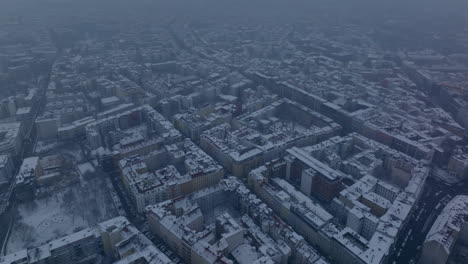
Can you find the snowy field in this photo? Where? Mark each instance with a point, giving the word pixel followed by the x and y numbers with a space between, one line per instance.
pixel 81 206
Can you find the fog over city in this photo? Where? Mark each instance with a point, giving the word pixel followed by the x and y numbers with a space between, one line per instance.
pixel 233 132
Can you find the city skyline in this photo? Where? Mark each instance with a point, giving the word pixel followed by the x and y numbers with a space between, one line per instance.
pixel 243 132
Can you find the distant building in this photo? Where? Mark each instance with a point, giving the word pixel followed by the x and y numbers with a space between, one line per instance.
pixel 47 128
pixel 11 139
pixel 26 178
pixel 101 131
pixel 458 165
pixel 192 125
pixel 110 102
pixel 7 169
pixel 265 135
pixel 51 170
pixel 23 114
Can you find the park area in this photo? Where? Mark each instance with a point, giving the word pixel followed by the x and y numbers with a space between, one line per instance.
pixel 61 213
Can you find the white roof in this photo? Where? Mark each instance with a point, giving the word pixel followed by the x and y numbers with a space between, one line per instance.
pixel 448 224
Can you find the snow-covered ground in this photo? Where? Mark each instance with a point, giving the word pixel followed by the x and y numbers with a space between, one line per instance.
pixel 60 214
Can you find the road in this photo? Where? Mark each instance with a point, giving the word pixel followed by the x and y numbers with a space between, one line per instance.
pixel 436 195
